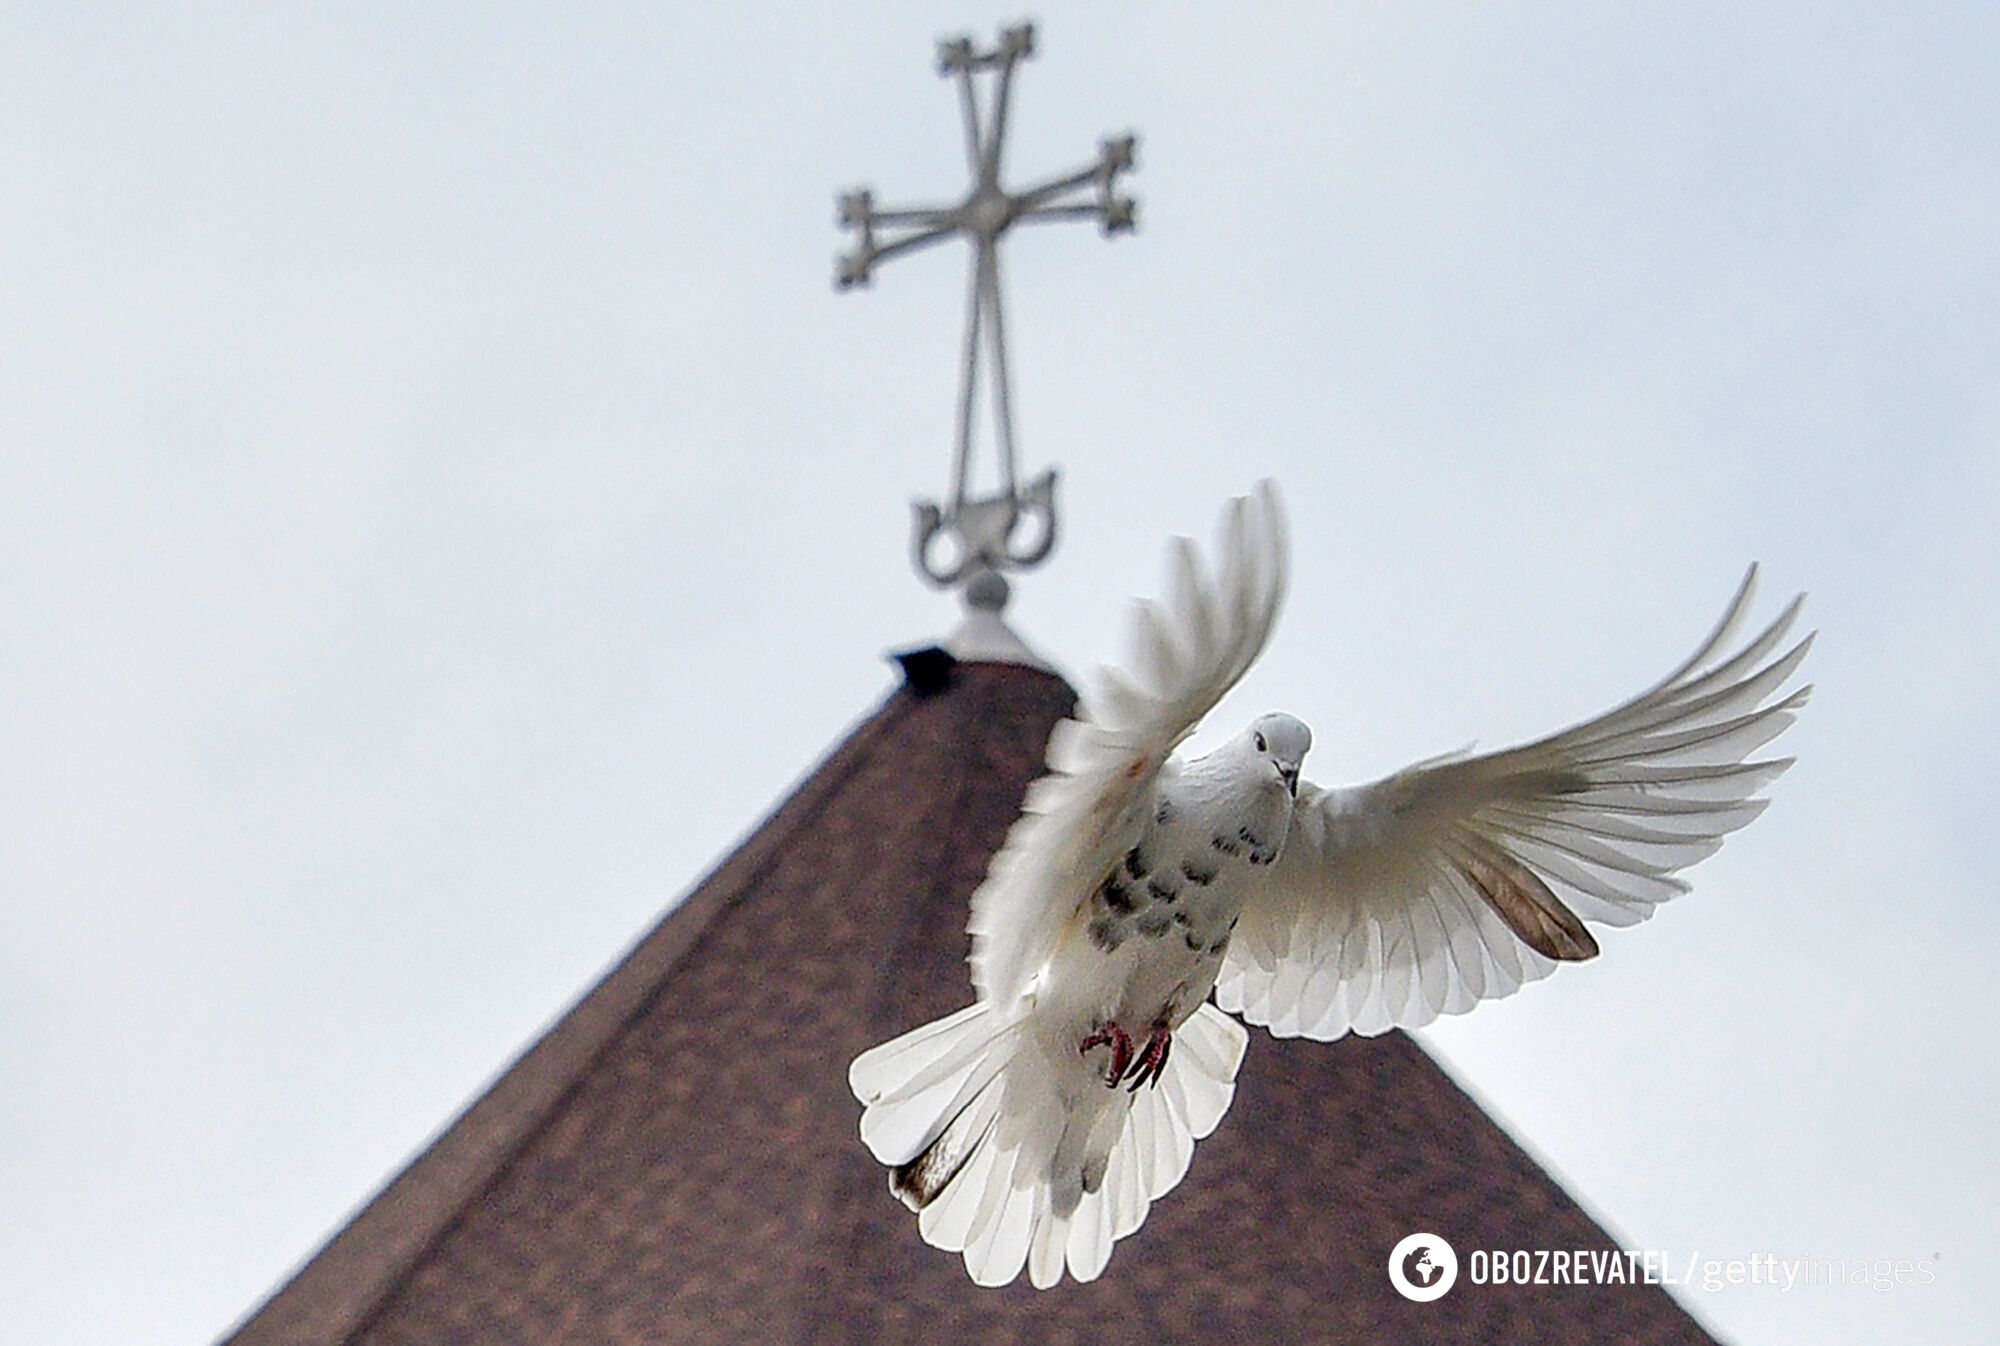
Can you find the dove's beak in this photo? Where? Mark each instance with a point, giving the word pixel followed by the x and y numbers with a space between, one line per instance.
pixel 1290 775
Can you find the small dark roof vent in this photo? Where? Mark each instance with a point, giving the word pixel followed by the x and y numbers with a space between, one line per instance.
pixel 927 671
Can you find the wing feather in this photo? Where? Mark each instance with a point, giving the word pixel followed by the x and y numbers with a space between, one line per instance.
pixel 1105 764
pixel 1463 878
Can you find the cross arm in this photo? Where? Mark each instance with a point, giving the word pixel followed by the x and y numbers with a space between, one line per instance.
pixel 1114 156
pixel 1119 215
pixel 854 268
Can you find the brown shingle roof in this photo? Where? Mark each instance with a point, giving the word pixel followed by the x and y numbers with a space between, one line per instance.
pixel 676 1161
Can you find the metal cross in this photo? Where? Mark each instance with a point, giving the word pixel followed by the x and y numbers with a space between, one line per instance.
pixel 985 526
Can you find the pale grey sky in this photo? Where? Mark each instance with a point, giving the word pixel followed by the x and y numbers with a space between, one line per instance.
pixel 443 504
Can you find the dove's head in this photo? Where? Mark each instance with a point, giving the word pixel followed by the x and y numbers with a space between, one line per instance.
pixel 1283 741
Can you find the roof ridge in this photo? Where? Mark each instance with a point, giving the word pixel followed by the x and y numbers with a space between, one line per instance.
pixel 333 1294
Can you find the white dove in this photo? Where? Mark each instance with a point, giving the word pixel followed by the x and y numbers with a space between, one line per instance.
pixel 1134 883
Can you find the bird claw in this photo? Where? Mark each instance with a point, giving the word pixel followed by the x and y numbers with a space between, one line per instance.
pixel 1120 1042
pixel 1146 1064
pixel 1152 1059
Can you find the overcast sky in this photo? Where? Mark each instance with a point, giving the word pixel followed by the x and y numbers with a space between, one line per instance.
pixel 443 504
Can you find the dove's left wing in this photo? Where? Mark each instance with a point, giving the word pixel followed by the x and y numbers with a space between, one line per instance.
pixel 1460 879
pixel 1104 765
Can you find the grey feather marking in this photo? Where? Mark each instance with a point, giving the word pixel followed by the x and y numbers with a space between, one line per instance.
pixel 1117 896
pixel 1106 933
pixel 919 1181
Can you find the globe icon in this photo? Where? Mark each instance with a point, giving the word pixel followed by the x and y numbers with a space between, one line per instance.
pixel 1422 1267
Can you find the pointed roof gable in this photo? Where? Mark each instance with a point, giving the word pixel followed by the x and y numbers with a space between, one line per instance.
pixel 676 1160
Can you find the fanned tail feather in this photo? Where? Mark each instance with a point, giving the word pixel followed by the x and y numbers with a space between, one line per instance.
pixel 1007 1171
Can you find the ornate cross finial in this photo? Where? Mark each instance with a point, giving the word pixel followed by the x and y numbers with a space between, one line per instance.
pixel 985 526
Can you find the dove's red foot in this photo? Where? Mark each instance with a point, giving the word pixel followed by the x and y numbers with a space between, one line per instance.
pixel 1152 1058
pixel 1120 1042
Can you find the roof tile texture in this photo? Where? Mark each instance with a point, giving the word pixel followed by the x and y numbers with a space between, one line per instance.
pixel 698 1178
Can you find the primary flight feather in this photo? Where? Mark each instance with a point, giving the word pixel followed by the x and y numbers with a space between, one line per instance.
pixel 1036 1126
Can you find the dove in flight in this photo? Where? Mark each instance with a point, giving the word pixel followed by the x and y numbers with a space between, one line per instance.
pixel 1036 1126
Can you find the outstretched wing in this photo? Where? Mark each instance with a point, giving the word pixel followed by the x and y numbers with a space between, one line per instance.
pixel 1104 765
pixel 1459 879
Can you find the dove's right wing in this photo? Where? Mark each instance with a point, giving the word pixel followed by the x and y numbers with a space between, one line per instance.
pixel 1459 879
pixel 1104 765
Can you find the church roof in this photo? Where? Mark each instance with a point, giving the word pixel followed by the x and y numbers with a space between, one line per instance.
pixel 676 1159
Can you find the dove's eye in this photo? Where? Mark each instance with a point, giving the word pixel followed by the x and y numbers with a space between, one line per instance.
pixel 1260 744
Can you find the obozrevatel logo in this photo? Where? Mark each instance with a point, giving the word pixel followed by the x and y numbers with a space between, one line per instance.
pixel 1422 1267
